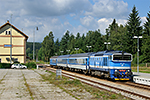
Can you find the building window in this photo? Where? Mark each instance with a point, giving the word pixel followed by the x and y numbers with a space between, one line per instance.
pixel 7 46
pixel 14 59
pixel 7 32
pixel 8 59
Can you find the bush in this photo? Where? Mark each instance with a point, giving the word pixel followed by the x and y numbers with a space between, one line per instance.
pixel 5 65
pixel 31 65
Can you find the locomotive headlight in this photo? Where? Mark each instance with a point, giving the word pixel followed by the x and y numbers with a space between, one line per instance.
pixel 115 70
pixel 128 70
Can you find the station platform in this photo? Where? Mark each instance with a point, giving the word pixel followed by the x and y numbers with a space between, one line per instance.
pixel 142 78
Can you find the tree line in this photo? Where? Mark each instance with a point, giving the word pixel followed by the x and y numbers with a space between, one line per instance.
pixel 119 36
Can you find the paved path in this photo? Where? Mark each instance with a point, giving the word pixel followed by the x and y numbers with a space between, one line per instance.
pixel 142 75
pixel 17 84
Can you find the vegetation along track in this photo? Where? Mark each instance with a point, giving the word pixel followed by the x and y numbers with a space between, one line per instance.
pixel 103 85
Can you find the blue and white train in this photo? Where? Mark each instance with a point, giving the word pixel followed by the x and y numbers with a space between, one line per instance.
pixel 112 64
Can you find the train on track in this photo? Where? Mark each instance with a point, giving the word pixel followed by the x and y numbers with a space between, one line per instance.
pixel 115 65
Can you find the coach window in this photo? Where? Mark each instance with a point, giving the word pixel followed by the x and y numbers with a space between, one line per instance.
pixel 105 61
pixel 71 61
pixel 75 60
pixel 0 60
pixel 84 61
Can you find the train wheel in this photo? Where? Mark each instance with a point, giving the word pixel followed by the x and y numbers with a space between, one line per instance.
pixel 67 68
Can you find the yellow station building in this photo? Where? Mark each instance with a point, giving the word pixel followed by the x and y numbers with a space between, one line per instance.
pixel 12 45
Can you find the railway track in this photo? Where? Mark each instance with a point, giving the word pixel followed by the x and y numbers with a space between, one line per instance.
pixel 108 86
pixel 136 85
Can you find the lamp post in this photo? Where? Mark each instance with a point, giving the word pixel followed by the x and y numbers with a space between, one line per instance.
pixel 76 49
pixel 88 47
pixel 11 41
pixel 107 44
pixel 34 40
pixel 68 51
pixel 61 51
pixel 137 37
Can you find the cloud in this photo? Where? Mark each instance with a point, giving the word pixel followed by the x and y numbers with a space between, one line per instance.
pixel 61 15
pixel 105 22
pixel 108 9
pixel 54 7
pixel 143 20
pixel 89 22
pixel 43 8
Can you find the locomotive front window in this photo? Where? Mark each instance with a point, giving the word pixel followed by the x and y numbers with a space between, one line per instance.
pixel 54 60
pixel 120 57
pixel 110 57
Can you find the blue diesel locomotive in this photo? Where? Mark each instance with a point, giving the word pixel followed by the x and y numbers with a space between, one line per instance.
pixel 115 65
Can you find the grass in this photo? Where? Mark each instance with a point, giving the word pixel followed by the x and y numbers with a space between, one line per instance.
pixel 79 90
pixel 28 88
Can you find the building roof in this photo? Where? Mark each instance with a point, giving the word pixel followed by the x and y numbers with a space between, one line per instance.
pixel 7 23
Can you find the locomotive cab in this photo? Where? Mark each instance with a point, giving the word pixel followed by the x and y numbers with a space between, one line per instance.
pixel 121 63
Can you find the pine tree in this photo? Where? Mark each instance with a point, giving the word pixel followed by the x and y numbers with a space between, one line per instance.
pixel 64 43
pixel 111 35
pixel 57 46
pixel 133 29
pixel 147 25
pixel 48 46
pixel 146 40
pixel 71 42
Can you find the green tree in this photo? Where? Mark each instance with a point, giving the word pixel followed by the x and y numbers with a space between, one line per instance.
pixel 133 29
pixel 28 51
pixel 95 40
pixel 48 46
pixel 112 35
pixel 77 51
pixel 78 43
pixel 41 55
pixel 146 50
pixel 147 25
pixel 83 46
pixel 146 40
pixel 72 41
pixel 64 43
pixel 57 46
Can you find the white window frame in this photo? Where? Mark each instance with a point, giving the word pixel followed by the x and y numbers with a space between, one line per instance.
pixel 8 32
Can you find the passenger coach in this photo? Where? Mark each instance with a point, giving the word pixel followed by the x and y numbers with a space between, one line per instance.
pixel 53 61
pixel 79 61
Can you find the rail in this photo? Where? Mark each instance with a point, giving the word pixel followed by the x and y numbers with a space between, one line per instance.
pixel 104 86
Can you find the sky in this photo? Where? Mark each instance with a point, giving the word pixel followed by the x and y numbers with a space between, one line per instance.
pixel 75 16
